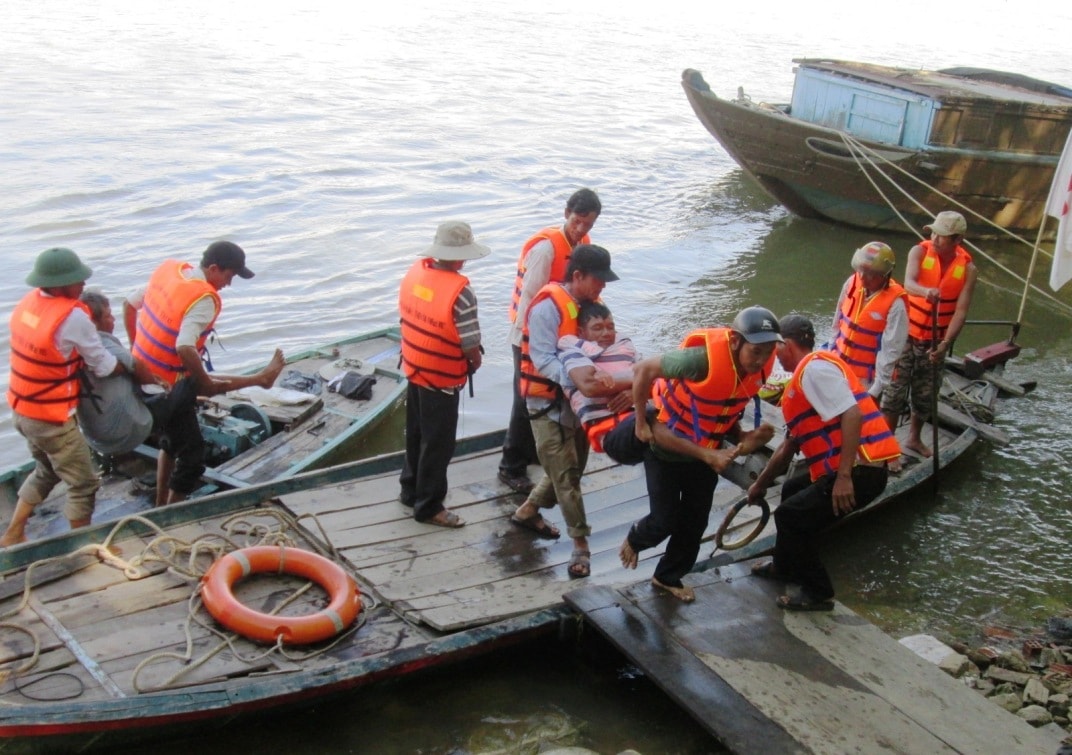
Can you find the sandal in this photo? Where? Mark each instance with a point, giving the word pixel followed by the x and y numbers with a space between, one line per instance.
pixel 580 564
pixel 537 524
pixel 684 593
pixel 446 518
pixel 804 603
pixel 765 570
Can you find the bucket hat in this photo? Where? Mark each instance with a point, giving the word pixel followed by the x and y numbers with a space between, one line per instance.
pixel 454 242
pixel 57 267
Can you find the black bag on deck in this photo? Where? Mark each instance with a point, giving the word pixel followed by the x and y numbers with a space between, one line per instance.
pixel 356 386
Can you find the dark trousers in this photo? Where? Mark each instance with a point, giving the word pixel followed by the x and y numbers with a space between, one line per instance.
pixel 622 445
pixel 431 427
pixel 179 434
pixel 519 447
pixel 679 496
pixel 806 509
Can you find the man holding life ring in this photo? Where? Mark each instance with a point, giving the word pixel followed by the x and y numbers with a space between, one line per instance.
pixel 701 390
pixel 846 443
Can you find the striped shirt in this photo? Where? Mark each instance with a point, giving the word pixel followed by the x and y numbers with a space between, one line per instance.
pixel 617 359
pixel 465 319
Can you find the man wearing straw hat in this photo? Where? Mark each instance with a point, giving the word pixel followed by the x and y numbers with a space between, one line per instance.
pixel 52 341
pixel 440 350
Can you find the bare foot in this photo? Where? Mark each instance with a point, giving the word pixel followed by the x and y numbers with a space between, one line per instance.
pixel 627 555
pixel 919 447
pixel 894 466
pixel 9 540
pixel 271 372
pixel 684 593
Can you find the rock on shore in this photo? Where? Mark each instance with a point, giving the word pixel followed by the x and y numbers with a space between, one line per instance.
pixel 1030 677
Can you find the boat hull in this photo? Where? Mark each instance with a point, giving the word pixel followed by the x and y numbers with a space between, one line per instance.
pixel 812 172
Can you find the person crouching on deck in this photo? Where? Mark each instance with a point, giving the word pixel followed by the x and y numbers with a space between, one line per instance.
pixel 846 443
pixel 440 350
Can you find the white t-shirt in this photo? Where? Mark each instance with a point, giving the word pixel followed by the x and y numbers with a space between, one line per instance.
pixel 826 389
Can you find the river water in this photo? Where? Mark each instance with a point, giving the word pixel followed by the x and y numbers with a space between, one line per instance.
pixel 330 141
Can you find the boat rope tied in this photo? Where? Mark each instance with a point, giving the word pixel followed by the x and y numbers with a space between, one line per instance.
pixel 866 157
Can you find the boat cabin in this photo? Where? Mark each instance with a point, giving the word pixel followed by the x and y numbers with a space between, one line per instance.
pixel 970 109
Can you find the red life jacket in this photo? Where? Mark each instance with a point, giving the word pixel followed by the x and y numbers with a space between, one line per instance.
pixel 432 353
pixel 532 383
pixel 43 384
pixel 563 250
pixel 168 298
pixel 949 283
pixel 820 441
pixel 861 323
pixel 705 411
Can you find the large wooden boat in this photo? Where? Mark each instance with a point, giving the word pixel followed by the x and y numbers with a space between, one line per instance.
pixel 861 144
pixel 253 435
pixel 99 650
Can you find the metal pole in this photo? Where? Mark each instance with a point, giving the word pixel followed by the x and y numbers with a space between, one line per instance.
pixel 936 384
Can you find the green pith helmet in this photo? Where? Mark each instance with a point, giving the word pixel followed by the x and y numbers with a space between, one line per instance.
pixel 57 267
pixel 876 256
pixel 757 325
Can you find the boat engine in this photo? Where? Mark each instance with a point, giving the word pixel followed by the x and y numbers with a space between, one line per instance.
pixel 228 433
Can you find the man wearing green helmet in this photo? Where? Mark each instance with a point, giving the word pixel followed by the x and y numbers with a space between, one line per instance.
pixel 700 392
pixel 53 340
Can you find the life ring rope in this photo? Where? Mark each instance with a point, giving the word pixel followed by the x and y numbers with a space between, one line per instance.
pixel 217 594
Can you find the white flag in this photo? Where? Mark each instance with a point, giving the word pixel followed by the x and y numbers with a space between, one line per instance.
pixel 1059 205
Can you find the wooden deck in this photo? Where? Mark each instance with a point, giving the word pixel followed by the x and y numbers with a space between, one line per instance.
pixel 433 595
pixel 763 680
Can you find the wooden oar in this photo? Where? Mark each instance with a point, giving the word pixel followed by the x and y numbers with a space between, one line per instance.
pixel 936 384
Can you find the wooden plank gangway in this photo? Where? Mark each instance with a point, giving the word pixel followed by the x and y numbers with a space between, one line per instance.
pixel 763 680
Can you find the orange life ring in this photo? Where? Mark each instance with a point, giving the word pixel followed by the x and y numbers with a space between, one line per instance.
pixel 217 595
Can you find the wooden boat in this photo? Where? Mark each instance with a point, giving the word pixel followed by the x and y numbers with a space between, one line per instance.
pixel 860 143
pixel 253 436
pixel 109 651
pixel 966 408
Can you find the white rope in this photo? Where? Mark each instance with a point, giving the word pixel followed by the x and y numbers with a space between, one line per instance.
pixel 190 561
pixel 865 156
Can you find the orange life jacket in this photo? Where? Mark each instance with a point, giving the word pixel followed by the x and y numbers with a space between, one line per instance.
pixel 44 384
pixel 432 354
pixel 558 265
pixel 532 383
pixel 861 323
pixel 821 441
pixel 705 411
pixel 168 297
pixel 949 283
